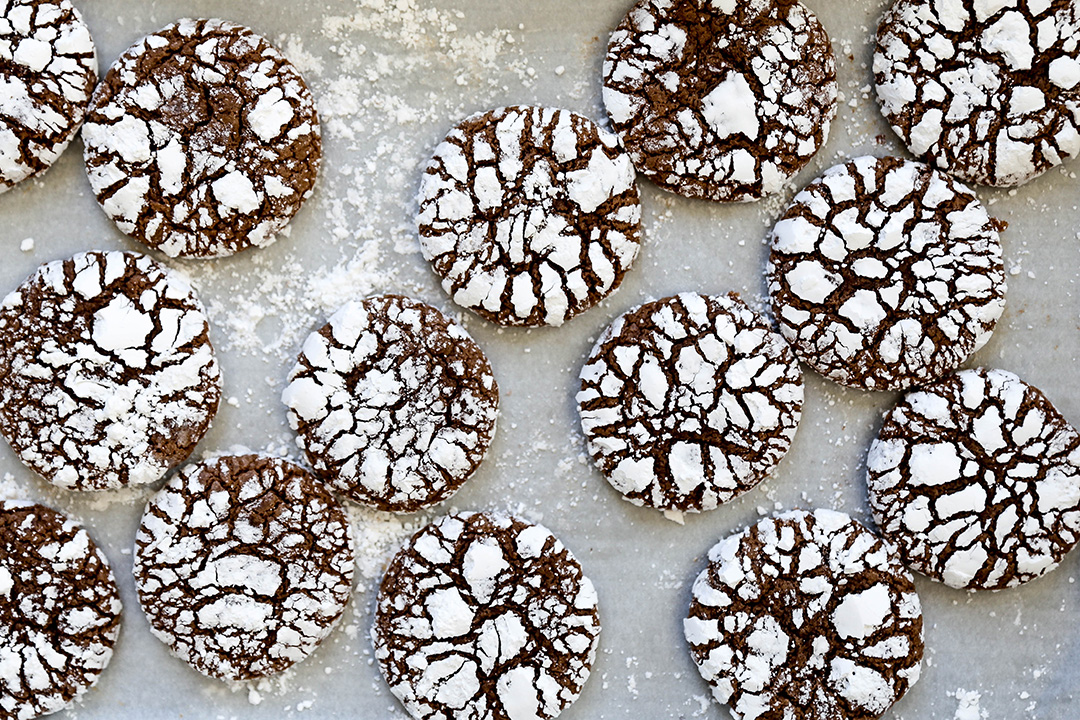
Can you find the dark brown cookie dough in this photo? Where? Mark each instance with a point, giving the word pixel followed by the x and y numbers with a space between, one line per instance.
pixel 720 99
pixel 689 401
pixel 885 273
pixel 243 564
pixel 529 215
pixel 48 67
pixel 806 615
pixel 107 375
pixel 485 617
pixel 977 479
pixel 59 611
pixel 202 140
pixel 394 403
pixel 987 91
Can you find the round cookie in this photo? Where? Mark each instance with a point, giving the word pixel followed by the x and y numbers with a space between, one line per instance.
pixel 107 375
pixel 394 403
pixel 59 611
pixel 485 617
pixel 48 68
pixel 989 92
pixel 806 615
pixel 976 478
pixel 689 401
pixel 529 215
pixel 720 99
pixel 202 140
pixel 885 273
pixel 243 564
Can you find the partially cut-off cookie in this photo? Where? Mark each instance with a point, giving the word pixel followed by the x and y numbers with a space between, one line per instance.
pixel 720 99
pixel 885 273
pixel 976 478
pixel 529 215
pixel 394 404
pixel 689 401
pixel 988 91
pixel 485 617
pixel 48 68
pixel 243 565
pixel 107 375
pixel 202 140
pixel 806 615
pixel 59 611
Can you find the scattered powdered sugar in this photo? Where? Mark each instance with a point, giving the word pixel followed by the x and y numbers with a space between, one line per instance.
pixel 967 705
pixel 370 87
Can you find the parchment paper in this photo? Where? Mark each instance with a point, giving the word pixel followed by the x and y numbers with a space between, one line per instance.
pixel 392 76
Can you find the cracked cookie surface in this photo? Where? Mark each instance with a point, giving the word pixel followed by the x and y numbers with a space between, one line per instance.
pixel 202 140
pixel 243 565
pixel 395 405
pixel 806 615
pixel 720 99
pixel 107 375
pixel 59 611
pixel 48 68
pixel 485 617
pixel 689 401
pixel 529 215
pixel 976 478
pixel 885 273
pixel 988 91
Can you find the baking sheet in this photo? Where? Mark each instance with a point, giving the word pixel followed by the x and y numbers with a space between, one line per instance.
pixel 391 77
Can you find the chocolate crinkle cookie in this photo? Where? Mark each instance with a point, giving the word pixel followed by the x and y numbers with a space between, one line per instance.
pixel 48 68
pixel 720 99
pixel 806 615
pixel 529 215
pixel 485 617
pixel 885 273
pixel 243 565
pixel 977 479
pixel 107 375
pixel 988 91
pixel 394 404
pixel 689 401
pixel 202 140
pixel 59 611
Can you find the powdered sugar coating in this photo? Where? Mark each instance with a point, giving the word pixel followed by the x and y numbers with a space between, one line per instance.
pixel 202 140
pixel 59 611
pixel 485 617
pixel 988 91
pixel 689 401
pixel 720 100
pixel 243 564
pixel 529 215
pixel 107 375
pixel 885 273
pixel 394 403
pixel 48 68
pixel 807 615
pixel 977 479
